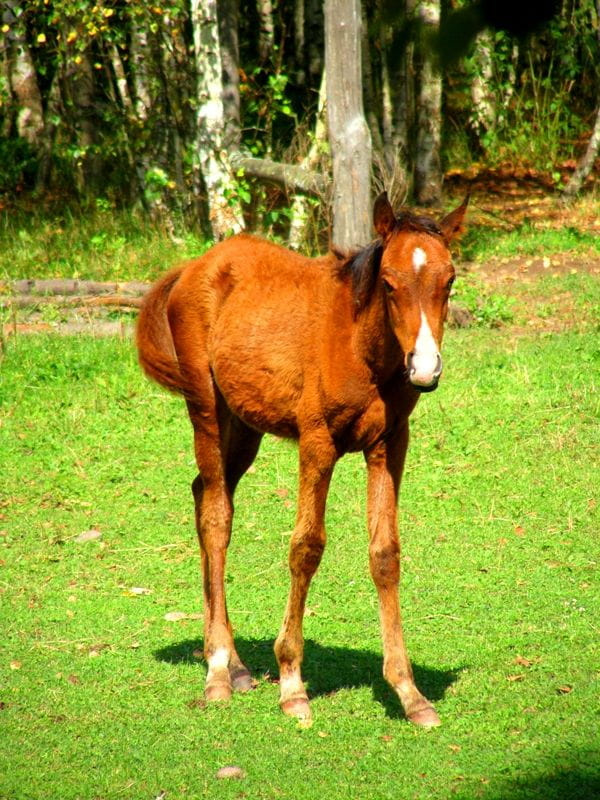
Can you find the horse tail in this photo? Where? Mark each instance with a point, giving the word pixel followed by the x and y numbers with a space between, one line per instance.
pixel 156 351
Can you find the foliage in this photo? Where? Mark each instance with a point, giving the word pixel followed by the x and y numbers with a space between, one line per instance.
pixel 117 87
pixel 104 694
pixel 543 90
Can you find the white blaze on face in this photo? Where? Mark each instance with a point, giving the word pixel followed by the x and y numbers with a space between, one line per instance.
pixel 425 362
pixel 419 259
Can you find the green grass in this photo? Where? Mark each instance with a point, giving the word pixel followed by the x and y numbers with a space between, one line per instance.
pixel 101 697
pixel 104 245
pixel 481 243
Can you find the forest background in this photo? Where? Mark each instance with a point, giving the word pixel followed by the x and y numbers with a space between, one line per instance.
pixel 212 115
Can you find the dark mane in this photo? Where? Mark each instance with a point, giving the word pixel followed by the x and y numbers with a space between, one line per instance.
pixel 362 266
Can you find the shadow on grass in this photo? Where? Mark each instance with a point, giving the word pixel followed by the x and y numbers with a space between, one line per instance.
pixel 568 783
pixel 325 670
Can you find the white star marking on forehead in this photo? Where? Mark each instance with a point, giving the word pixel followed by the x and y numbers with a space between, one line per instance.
pixel 419 259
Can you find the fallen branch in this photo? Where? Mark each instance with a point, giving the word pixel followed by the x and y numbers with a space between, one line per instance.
pixel 65 286
pixel 68 301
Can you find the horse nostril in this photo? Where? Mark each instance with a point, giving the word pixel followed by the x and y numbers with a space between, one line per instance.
pixel 438 367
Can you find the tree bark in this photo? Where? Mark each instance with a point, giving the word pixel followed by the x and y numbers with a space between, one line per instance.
pixel 230 56
pixel 484 111
pixel 586 162
pixel 300 206
pixel 24 85
pixel 292 177
pixel 349 136
pixel 224 211
pixel 428 167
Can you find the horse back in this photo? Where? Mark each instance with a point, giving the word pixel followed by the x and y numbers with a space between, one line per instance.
pixel 250 312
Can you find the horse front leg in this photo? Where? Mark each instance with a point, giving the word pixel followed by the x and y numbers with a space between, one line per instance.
pixel 317 460
pixel 385 463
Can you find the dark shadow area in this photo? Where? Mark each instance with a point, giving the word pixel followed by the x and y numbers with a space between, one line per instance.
pixel 326 670
pixel 568 783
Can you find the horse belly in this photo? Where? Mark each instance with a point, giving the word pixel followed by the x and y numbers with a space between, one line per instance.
pixel 258 372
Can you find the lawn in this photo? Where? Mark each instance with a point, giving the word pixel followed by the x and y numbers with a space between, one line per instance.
pixel 100 676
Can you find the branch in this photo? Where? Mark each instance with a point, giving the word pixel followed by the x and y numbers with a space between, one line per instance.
pixel 290 176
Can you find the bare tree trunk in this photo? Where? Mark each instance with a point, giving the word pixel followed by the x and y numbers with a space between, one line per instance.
pixel 140 57
pixel 230 56
pixel 348 131
pixel 24 85
pixel 224 211
pixel 314 16
pixel 586 162
pixel 81 86
pixel 266 34
pixel 300 206
pixel 484 108
pixel 428 168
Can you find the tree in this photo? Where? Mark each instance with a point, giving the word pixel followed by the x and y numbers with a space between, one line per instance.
pixel 428 166
pixel 349 135
pixel 224 212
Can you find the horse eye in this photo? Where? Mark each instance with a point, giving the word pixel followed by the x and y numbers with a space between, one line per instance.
pixel 388 287
pixel 449 284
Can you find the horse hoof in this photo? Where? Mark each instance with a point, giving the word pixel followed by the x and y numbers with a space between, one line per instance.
pixel 425 718
pixel 217 691
pixel 241 680
pixel 296 707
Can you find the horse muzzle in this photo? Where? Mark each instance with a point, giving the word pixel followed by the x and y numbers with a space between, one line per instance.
pixel 424 370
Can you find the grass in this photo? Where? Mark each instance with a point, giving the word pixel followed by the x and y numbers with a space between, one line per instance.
pixel 101 696
pixel 482 243
pixel 103 245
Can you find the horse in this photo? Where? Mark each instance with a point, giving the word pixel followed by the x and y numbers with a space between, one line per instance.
pixel 333 352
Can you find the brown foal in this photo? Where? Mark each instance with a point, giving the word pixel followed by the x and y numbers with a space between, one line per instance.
pixel 331 351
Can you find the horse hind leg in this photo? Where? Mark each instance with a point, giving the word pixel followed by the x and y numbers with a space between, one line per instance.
pixel 242 447
pixel 222 458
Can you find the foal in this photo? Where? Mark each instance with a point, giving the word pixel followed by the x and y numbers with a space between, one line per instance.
pixel 330 351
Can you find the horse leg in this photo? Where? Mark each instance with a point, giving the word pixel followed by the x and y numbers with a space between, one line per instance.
pixel 238 445
pixel 242 446
pixel 214 511
pixel 385 463
pixel 317 459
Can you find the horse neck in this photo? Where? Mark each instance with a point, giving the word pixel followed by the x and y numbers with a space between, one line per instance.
pixel 376 341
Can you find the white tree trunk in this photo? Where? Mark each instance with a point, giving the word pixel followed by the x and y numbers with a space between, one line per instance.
pixel 584 167
pixel 301 204
pixel 224 210
pixel 23 79
pixel 349 135
pixel 483 116
pixel 428 169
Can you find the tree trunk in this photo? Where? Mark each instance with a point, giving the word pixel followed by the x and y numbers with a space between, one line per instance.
pixel 24 85
pixel 266 34
pixel 230 56
pixel 484 110
pixel 301 206
pixel 224 211
pixel 82 89
pixel 586 162
pixel 428 168
pixel 348 131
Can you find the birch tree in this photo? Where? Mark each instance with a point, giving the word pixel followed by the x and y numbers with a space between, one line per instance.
pixel 428 168
pixel 224 212
pixel 349 136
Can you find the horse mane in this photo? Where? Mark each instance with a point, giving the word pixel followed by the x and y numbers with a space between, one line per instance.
pixel 361 266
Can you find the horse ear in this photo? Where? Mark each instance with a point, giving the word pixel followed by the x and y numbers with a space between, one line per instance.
pixel 452 225
pixel 384 218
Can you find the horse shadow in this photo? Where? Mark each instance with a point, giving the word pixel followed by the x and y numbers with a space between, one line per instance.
pixel 325 669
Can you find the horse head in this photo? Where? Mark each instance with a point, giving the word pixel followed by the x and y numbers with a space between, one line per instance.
pixel 416 273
